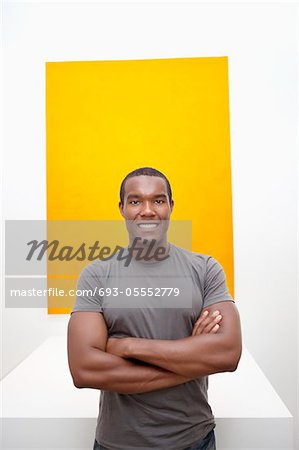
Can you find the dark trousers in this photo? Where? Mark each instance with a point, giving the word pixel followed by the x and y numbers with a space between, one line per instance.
pixel 207 443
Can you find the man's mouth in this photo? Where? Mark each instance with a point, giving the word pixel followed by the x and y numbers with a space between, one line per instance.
pixel 148 225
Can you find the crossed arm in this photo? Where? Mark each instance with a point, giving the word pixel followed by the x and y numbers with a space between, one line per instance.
pixel 91 366
pixel 193 356
pixel 133 365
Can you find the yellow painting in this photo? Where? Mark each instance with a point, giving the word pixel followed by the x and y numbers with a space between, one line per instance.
pixel 107 118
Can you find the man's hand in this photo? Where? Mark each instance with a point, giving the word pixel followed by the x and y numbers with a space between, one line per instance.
pixel 207 323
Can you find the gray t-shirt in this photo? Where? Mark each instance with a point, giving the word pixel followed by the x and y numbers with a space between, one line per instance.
pixel 172 418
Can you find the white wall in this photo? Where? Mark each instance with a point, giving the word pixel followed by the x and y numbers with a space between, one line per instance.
pixel 260 41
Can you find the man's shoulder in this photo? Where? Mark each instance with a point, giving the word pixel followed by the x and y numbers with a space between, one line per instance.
pixel 193 257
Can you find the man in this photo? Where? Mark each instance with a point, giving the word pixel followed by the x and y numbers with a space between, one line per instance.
pixel 152 363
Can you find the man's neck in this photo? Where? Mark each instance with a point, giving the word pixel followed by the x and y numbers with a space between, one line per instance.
pixel 149 250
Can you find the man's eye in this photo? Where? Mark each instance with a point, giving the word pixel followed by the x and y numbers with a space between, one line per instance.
pixel 133 202
pixel 161 201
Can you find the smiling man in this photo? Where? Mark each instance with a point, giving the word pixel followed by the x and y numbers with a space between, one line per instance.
pixel 151 354
pixel 146 204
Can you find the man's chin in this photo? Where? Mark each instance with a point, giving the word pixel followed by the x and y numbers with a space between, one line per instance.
pixel 146 238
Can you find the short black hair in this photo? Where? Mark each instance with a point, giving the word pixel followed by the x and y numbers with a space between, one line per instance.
pixel 149 171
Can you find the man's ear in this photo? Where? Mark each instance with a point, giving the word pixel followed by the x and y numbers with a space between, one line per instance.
pixel 120 206
pixel 171 205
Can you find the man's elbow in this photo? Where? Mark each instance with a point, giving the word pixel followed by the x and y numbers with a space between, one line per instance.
pixel 81 379
pixel 93 380
pixel 79 384
pixel 231 360
pixel 78 380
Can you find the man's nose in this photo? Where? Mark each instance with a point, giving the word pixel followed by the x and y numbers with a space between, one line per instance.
pixel 147 209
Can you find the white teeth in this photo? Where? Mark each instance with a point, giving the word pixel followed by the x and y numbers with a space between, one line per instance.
pixel 147 225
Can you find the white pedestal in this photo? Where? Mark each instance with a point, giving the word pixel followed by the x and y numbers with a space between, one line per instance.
pixel 42 409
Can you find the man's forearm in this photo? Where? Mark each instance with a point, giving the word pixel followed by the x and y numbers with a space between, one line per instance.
pixel 113 373
pixel 193 356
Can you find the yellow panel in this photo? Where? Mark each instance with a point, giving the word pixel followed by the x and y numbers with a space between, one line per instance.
pixel 107 118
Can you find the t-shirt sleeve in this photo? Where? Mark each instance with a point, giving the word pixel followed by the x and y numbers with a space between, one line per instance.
pixel 215 288
pixel 87 293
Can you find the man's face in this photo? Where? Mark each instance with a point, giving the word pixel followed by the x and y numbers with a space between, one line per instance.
pixel 146 207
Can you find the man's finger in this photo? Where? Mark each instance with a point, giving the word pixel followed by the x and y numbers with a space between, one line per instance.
pixel 211 325
pixel 215 329
pixel 207 320
pixel 201 318
pixel 201 322
pixel 208 325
